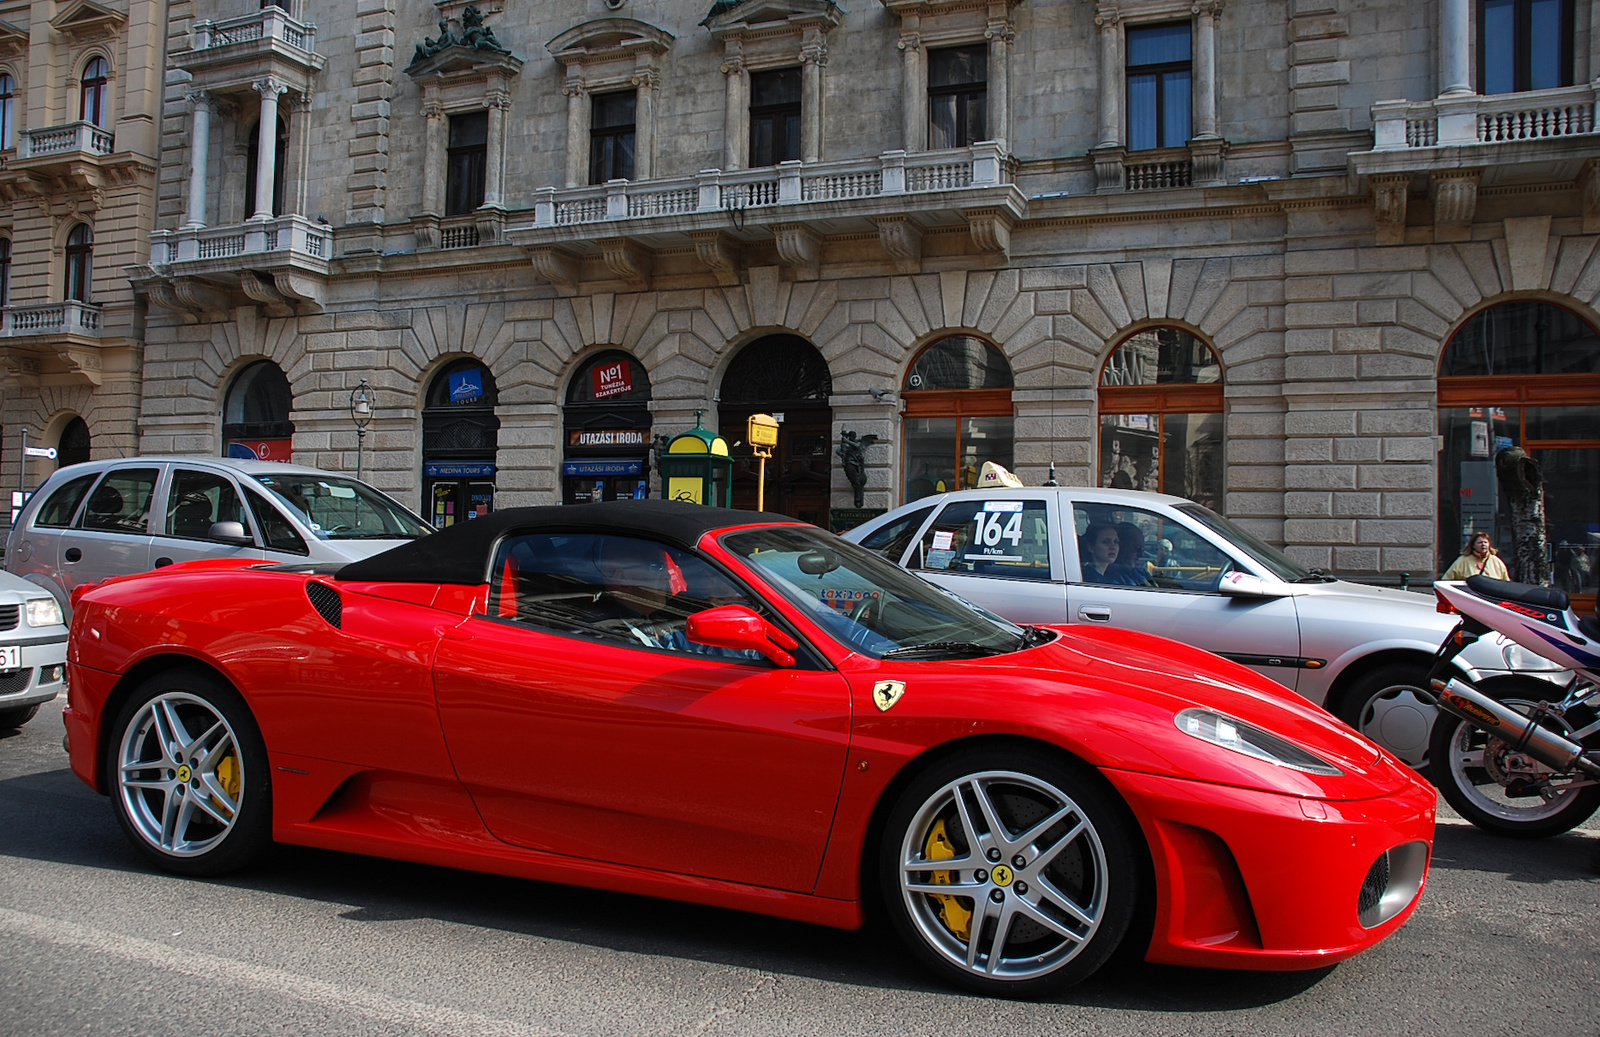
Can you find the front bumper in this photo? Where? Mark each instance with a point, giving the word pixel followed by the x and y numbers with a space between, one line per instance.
pixel 40 678
pixel 1247 879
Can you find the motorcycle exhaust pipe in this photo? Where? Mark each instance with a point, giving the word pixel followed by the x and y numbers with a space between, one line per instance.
pixel 1522 734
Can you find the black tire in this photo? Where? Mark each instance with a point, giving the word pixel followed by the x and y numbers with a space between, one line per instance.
pixel 13 718
pixel 1472 769
pixel 1389 707
pixel 204 810
pixel 1062 911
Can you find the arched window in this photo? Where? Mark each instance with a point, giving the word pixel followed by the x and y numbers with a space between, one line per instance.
pixel 787 377
pixel 255 414
pixel 92 93
pixel 1523 374
pixel 958 415
pixel 460 438
pixel 8 111
pixel 1161 416
pixel 72 447
pixel 5 271
pixel 253 159
pixel 607 423
pixel 80 263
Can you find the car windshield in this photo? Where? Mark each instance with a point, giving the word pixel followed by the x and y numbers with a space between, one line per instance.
pixel 342 509
pixel 874 607
pixel 1281 565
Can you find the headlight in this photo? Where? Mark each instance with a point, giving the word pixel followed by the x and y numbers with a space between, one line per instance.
pixel 1519 658
pixel 44 612
pixel 1240 737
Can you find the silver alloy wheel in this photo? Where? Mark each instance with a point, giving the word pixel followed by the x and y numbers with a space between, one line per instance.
pixel 1480 765
pixel 1398 718
pixel 1026 861
pixel 179 774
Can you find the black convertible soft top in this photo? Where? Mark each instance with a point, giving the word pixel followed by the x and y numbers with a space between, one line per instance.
pixel 462 553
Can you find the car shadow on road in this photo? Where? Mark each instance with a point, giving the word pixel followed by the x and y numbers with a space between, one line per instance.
pixel 52 817
pixel 1560 858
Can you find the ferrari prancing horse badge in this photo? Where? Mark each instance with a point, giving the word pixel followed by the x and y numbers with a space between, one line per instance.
pixel 886 693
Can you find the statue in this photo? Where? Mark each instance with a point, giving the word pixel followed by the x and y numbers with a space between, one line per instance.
pixel 853 456
pixel 477 35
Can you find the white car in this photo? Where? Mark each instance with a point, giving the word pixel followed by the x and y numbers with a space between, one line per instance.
pixel 100 519
pixel 1178 569
pixel 33 650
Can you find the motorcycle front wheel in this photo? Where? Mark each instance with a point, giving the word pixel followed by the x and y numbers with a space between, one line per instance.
pixel 1501 790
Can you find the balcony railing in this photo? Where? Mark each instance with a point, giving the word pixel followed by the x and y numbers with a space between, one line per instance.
pixel 57 318
pixel 1160 174
pixel 67 139
pixel 281 237
pixel 269 24
pixel 892 174
pixel 1475 119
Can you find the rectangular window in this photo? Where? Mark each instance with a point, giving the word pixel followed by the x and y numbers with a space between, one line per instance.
pixel 774 117
pixel 465 162
pixel 1158 85
pixel 958 96
pixel 611 137
pixel 1524 45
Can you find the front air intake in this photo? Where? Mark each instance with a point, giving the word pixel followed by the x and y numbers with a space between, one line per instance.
pixel 327 602
pixel 1392 883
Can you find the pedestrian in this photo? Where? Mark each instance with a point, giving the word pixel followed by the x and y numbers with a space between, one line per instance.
pixel 1478 558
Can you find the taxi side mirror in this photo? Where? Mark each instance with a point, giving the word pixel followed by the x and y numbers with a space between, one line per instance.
pixel 739 627
pixel 1238 584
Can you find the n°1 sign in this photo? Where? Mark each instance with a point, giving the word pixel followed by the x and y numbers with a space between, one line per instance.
pixel 40 451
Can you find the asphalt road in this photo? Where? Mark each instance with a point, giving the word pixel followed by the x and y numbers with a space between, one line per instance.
pixel 1507 941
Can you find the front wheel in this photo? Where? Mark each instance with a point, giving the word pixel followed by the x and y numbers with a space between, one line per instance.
pixel 12 718
pixel 1009 873
pixel 1501 790
pixel 1391 706
pixel 189 775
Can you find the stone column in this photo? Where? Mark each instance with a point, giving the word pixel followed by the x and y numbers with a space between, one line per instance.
pixel 813 56
pixel 494 151
pixel 735 137
pixel 644 122
pixel 1110 77
pixel 1205 69
pixel 577 131
pixel 202 105
pixel 1455 68
pixel 267 145
pixel 434 143
pixel 999 35
pixel 914 72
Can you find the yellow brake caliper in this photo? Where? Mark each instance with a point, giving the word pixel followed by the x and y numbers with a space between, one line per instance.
pixel 228 775
pixel 956 918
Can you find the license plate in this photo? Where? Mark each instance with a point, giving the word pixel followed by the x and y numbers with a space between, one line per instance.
pixel 10 658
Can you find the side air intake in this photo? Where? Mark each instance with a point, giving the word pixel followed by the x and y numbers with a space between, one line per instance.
pixel 326 601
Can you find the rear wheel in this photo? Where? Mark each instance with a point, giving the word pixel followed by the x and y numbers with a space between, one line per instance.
pixel 189 775
pixel 1501 790
pixel 10 718
pixel 1009 873
pixel 1389 707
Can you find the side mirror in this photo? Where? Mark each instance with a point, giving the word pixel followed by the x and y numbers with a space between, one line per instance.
pixel 1238 584
pixel 229 533
pixel 738 626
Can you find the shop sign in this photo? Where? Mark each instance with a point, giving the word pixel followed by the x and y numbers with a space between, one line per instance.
pixel 608 437
pixel 604 466
pixel 466 386
pixel 262 449
pixel 457 469
pixel 612 379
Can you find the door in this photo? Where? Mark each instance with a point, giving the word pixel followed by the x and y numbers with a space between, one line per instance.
pixel 195 501
pixel 799 470
pixel 1146 570
pixel 576 735
pixel 996 552
pixel 112 535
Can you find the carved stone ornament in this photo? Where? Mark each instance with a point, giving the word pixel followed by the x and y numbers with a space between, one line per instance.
pixel 719 252
pixel 902 240
pixel 1390 193
pixel 86 21
pixel 799 248
pixel 555 266
pixel 991 230
pixel 1455 197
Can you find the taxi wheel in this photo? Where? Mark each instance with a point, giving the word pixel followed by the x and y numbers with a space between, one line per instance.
pixel 189 776
pixel 1010 873
pixel 12 718
pixel 1389 706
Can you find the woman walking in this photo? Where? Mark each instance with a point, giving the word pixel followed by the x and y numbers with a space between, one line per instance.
pixel 1477 559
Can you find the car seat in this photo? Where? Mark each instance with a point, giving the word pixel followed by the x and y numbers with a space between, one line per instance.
pixel 192 517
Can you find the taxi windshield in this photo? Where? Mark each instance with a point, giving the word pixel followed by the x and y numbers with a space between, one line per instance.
pixel 876 608
pixel 342 509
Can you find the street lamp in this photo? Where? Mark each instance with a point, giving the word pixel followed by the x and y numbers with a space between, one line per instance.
pixel 361 414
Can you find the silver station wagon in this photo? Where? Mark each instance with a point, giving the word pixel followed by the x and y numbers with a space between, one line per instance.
pixel 108 518
pixel 1169 566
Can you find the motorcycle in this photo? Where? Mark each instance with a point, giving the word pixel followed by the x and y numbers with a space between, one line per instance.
pixel 1518 755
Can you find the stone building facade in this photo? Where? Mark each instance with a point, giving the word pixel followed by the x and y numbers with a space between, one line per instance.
pixel 546 231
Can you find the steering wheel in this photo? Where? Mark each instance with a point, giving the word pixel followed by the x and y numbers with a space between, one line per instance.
pixel 338 529
pixel 865 612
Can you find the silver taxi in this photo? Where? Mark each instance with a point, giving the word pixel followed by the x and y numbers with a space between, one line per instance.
pixel 1169 566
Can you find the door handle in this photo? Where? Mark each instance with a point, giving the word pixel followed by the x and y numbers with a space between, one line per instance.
pixel 163 562
pixel 1095 613
pixel 72 554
